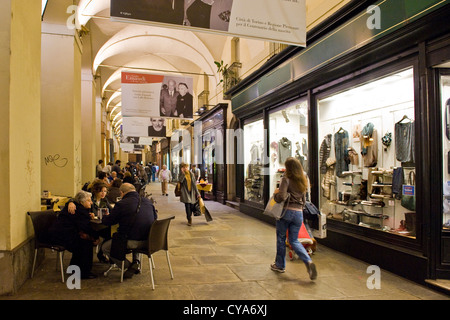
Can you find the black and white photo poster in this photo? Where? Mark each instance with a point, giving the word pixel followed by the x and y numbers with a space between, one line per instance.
pixel 271 20
pixel 157 96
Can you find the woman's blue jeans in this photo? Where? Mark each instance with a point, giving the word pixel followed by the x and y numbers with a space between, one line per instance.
pixel 292 222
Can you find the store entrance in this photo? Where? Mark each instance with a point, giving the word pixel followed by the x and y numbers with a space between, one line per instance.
pixel 443 263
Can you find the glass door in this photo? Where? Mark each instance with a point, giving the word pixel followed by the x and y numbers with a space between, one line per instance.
pixel 445 107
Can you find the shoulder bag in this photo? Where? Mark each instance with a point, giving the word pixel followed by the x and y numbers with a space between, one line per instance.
pixel 120 239
pixel 178 190
pixel 276 209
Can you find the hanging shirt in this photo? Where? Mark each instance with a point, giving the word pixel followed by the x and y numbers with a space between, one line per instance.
pixel 404 141
pixel 284 150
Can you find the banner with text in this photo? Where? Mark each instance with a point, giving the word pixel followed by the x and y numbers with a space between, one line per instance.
pixel 281 21
pixel 156 96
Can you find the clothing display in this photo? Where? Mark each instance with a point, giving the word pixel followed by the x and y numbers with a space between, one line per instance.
pixel 324 153
pixel 404 140
pixel 369 145
pixel 284 150
pixel 255 182
pixel 328 179
pixel 341 150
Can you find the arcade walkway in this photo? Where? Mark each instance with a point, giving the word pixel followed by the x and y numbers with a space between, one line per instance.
pixel 226 259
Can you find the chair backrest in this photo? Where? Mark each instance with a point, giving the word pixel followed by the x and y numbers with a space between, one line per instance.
pixel 42 221
pixel 158 235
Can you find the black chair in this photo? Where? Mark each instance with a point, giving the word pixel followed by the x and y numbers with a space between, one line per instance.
pixel 42 221
pixel 157 240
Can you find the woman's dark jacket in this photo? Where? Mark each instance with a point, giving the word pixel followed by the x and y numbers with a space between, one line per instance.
pixel 66 230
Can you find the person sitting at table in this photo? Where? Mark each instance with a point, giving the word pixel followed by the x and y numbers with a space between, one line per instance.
pixel 75 233
pixel 137 233
pixel 128 178
pixel 114 191
pixel 99 201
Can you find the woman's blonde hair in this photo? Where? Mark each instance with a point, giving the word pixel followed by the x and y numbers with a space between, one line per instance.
pixel 183 165
pixel 295 173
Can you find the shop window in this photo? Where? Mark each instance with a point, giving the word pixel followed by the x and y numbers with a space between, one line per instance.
pixel 209 146
pixel 254 161
pixel 288 129
pixel 445 98
pixel 367 155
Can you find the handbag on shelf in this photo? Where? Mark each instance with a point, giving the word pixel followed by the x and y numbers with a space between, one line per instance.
pixel 120 239
pixel 178 190
pixel 276 209
pixel 409 193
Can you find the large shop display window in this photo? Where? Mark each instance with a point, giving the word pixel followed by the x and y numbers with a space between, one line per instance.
pixel 254 161
pixel 445 98
pixel 288 138
pixel 209 147
pixel 367 157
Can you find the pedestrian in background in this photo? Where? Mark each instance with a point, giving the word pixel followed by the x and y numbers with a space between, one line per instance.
pixel 189 191
pixel 165 176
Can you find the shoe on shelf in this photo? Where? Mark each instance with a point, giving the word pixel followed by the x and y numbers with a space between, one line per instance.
pixel 312 271
pixel 274 267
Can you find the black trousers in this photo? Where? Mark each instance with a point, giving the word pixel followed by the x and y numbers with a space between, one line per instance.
pixel 82 251
pixel 189 209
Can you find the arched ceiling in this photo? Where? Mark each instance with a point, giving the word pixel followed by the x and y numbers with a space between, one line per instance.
pixel 117 46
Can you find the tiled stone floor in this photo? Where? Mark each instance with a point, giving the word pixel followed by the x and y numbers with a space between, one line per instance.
pixel 226 259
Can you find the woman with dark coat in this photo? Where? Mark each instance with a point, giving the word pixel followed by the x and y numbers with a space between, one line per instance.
pixel 184 106
pixel 75 233
pixel 189 191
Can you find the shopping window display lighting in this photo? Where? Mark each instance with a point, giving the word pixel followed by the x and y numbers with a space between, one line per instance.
pixel 366 143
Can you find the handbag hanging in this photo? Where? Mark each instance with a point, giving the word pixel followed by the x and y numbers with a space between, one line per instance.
pixel 276 209
pixel 178 190
pixel 120 239
pixel 409 193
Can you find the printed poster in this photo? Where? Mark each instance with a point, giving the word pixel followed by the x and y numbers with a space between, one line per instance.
pixel 281 21
pixel 157 96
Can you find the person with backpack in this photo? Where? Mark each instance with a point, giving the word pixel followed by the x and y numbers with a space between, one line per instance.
pixel 137 229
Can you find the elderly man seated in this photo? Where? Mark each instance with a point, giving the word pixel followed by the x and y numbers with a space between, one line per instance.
pixel 137 232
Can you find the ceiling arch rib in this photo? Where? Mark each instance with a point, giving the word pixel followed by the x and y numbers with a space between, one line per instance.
pixel 158 41
pixel 115 97
pixel 89 8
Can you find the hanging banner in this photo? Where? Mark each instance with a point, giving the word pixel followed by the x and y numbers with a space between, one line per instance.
pixel 281 21
pixel 137 127
pixel 157 96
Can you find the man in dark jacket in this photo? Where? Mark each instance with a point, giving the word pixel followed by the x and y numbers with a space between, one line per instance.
pixel 137 232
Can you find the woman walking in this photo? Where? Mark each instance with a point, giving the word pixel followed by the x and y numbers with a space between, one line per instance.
pixel 189 191
pixel 295 183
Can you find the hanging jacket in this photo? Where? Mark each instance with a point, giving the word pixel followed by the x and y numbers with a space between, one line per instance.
pixel 324 153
